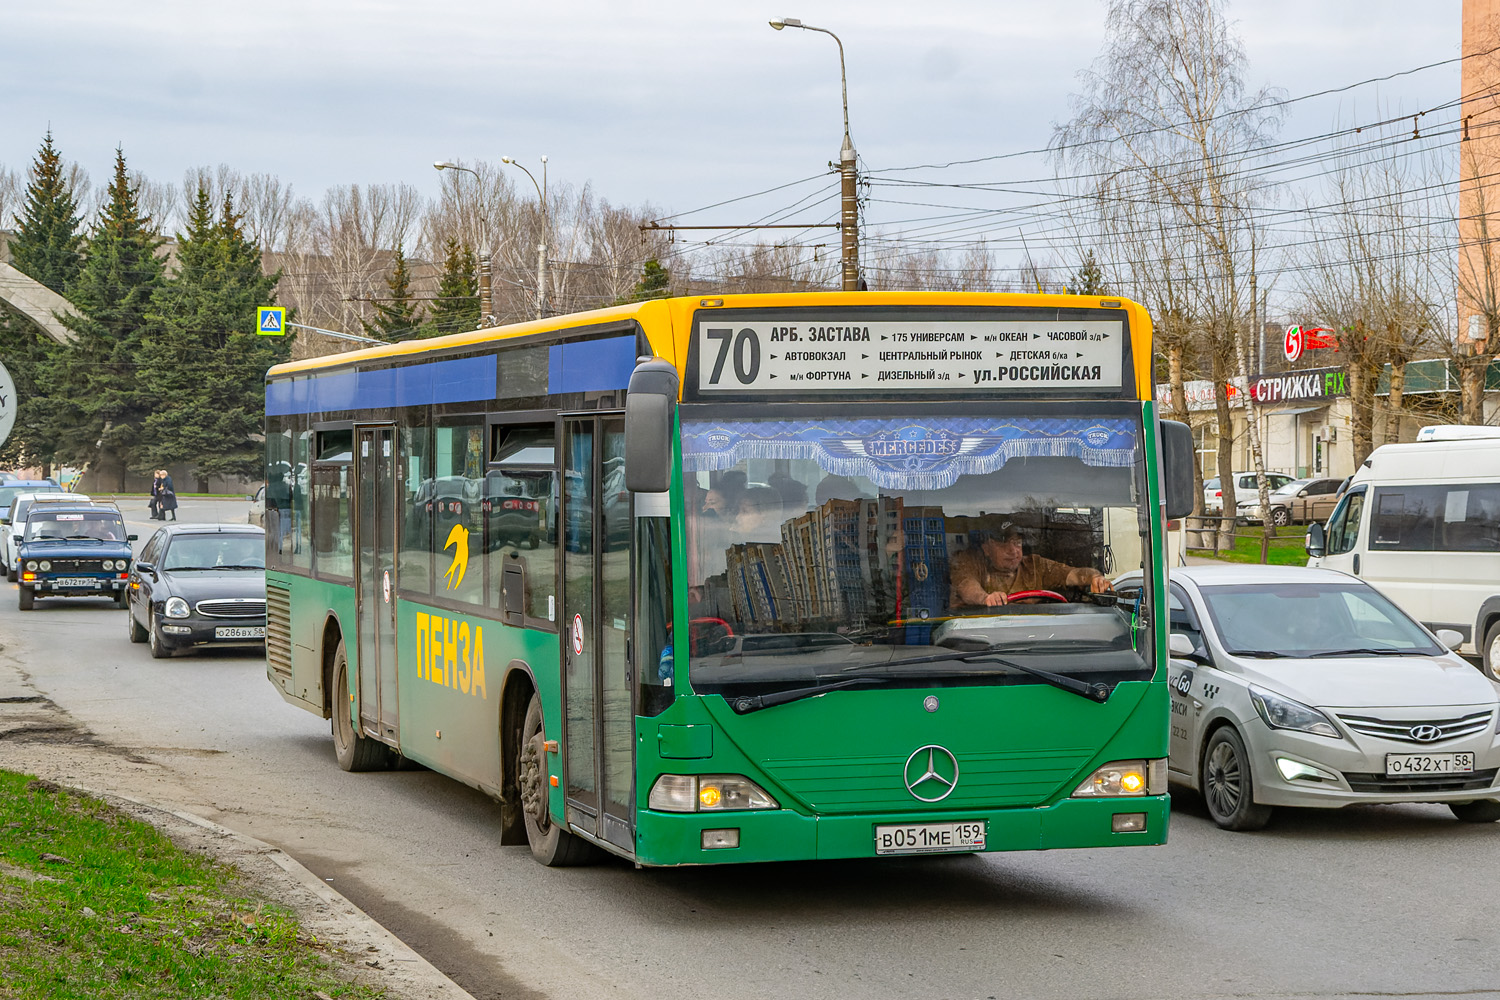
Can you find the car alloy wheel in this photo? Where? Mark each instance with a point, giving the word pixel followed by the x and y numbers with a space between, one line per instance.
pixel 1280 517
pixel 1227 786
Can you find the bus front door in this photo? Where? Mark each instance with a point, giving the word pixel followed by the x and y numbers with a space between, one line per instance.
pixel 598 733
pixel 374 574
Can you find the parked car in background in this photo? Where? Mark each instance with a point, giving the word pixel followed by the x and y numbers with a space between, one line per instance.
pixel 257 513
pixel 13 488
pixel 199 584
pixel 1244 484
pixel 73 549
pixel 1303 687
pixel 1298 502
pixel 10 536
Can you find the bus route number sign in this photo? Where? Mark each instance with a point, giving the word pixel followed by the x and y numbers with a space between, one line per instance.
pixel 863 356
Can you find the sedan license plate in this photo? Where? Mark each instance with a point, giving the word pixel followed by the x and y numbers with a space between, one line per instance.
pixel 929 838
pixel 1428 763
pixel 75 581
pixel 240 632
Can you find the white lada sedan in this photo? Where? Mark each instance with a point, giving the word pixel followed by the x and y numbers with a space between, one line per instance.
pixel 1304 687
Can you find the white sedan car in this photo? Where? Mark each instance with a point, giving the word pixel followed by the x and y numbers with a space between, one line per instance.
pixel 1305 687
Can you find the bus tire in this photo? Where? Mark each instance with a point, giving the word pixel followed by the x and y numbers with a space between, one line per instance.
pixel 353 750
pixel 1228 790
pixel 1490 651
pixel 550 845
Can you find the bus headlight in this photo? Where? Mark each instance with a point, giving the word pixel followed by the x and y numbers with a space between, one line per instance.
pixel 1123 779
pixel 687 793
pixel 176 607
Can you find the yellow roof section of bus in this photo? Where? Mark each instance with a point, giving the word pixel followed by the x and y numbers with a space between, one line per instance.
pixel 668 323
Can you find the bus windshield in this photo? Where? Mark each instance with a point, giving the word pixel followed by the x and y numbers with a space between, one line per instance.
pixel 824 547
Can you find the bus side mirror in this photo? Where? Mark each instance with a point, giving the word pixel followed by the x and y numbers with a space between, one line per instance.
pixel 1177 468
pixel 649 403
pixel 1317 541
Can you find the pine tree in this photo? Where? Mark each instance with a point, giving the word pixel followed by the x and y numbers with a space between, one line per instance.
pixel 46 248
pixel 1089 280
pixel 655 283
pixel 103 402
pixel 202 359
pixel 457 305
pixel 398 317
pixel 47 244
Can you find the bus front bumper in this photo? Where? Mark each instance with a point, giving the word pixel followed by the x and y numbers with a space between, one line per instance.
pixel 784 835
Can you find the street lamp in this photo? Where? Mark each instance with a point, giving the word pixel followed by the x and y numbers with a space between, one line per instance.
pixel 849 215
pixel 541 247
pixel 486 310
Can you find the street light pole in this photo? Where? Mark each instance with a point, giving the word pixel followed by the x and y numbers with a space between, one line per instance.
pixel 541 247
pixel 486 308
pixel 849 212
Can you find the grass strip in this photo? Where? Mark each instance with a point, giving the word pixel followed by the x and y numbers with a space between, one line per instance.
pixel 95 904
pixel 1287 548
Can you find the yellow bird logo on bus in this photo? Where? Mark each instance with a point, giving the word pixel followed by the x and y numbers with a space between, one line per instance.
pixel 458 540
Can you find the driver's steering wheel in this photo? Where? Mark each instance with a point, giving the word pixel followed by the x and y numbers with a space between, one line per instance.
pixel 1036 597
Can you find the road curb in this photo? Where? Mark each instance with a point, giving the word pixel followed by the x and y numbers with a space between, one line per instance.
pixel 323 911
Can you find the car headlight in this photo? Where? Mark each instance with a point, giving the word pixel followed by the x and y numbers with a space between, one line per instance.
pixel 44 566
pixel 109 564
pixel 1284 713
pixel 31 565
pixel 687 793
pixel 1125 778
pixel 176 607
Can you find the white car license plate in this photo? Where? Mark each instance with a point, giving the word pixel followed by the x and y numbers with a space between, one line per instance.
pixel 929 838
pixel 240 632
pixel 75 581
pixel 1428 763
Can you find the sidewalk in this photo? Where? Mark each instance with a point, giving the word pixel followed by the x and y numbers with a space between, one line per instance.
pixel 365 947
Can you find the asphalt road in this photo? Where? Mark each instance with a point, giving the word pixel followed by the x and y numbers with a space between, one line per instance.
pixel 1362 902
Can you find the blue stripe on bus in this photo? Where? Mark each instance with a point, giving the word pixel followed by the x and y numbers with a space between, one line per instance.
pixel 458 380
pixel 591 365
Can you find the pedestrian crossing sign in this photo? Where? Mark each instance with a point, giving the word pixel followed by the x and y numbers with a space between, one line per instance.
pixel 270 321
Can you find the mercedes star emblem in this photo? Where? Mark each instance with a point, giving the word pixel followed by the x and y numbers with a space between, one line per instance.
pixel 931 773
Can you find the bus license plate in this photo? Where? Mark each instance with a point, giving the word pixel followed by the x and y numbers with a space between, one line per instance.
pixel 240 632
pixel 75 581
pixel 929 838
pixel 1428 763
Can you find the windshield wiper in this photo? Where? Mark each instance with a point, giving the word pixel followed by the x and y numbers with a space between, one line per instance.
pixel 1366 651
pixel 1093 692
pixel 84 538
pixel 238 566
pixel 1261 654
pixel 756 702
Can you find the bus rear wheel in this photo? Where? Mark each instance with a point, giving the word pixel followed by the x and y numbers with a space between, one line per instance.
pixel 354 750
pixel 552 846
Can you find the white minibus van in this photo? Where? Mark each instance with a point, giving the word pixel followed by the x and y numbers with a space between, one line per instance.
pixel 1421 522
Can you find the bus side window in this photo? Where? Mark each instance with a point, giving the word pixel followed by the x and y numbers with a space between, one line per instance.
pixel 520 505
pixel 457 517
pixel 655 654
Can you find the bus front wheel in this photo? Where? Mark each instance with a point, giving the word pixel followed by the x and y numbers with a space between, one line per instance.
pixel 552 846
pixel 355 751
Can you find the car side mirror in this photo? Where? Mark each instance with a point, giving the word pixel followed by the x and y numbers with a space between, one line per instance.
pixel 1451 638
pixel 250 497
pixel 1317 541
pixel 650 402
pixel 1180 645
pixel 1177 469
pixel 145 567
pixel 131 538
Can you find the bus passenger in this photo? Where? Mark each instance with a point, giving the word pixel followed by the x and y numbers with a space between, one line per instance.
pixel 985 575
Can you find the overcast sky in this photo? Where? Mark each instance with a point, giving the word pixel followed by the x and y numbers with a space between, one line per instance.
pixel 675 103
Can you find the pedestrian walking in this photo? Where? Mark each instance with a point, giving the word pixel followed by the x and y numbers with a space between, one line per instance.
pixel 167 497
pixel 155 504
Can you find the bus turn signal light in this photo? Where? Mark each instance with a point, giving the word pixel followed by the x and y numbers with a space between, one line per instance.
pixel 1115 779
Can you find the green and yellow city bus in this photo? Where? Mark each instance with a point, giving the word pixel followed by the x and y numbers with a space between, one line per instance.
pixel 694 580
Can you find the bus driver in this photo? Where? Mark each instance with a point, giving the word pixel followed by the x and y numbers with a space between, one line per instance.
pixel 986 574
